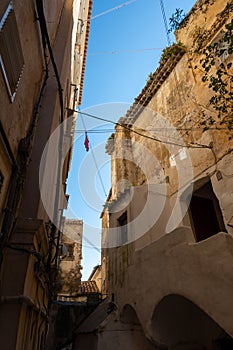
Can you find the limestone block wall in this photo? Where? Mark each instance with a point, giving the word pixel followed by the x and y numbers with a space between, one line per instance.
pixel 70 258
pixel 164 145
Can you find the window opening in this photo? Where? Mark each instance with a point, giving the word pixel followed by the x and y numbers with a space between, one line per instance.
pixel 205 213
pixel 69 252
pixel 122 222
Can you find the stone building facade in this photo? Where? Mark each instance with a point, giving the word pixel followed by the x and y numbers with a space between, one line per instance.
pixel 167 223
pixel 43 48
pixel 70 259
pixel 96 276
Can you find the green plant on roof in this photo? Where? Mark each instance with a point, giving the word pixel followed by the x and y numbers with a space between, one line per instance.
pixel 150 75
pixel 169 51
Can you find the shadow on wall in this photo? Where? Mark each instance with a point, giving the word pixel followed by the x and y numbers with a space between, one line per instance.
pixel 112 333
pixel 179 324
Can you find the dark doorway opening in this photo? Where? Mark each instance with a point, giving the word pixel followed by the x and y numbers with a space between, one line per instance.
pixel 223 344
pixel 177 323
pixel 122 222
pixel 205 213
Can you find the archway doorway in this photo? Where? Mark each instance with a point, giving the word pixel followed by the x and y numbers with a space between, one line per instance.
pixel 181 325
pixel 136 339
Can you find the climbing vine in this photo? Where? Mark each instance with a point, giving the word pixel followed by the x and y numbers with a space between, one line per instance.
pixel 216 65
pixel 176 19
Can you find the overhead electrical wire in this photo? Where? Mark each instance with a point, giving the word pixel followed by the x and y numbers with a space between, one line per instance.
pixel 93 156
pixel 177 87
pixel 91 245
pixel 106 131
pixel 113 9
pixel 180 104
pixel 45 38
pixel 191 145
pixel 165 22
pixel 46 41
pixel 117 52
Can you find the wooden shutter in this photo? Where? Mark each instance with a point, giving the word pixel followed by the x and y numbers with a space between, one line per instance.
pixel 11 56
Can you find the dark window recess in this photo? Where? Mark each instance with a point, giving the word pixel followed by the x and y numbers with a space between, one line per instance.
pixel 1 181
pixel 223 344
pixel 69 252
pixel 205 213
pixel 122 222
pixel 11 56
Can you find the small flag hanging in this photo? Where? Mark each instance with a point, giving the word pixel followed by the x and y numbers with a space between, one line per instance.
pixel 86 142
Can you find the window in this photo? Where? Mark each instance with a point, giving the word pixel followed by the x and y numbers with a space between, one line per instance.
pixel 205 213
pixel 11 56
pixel 225 343
pixel 122 221
pixel 69 252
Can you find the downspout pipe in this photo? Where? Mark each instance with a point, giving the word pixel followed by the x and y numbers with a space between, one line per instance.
pixel 56 219
pixel 18 175
pixel 6 144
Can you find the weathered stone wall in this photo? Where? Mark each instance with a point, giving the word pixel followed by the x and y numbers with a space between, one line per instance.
pixel 70 259
pixel 16 116
pixel 170 123
pixel 27 285
pixel 163 144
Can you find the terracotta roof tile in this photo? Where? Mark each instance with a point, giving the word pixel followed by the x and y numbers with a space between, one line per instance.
pixel 88 287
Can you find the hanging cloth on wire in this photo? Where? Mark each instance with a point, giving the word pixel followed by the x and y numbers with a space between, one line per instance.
pixel 86 142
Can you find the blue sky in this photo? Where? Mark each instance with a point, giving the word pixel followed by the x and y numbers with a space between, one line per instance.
pixel 113 78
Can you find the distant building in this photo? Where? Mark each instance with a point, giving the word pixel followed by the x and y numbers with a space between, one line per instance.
pixel 91 290
pixel 70 259
pixel 96 275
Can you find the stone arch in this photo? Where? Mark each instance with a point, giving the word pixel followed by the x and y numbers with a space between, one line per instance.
pixel 128 315
pixel 179 324
pixel 136 339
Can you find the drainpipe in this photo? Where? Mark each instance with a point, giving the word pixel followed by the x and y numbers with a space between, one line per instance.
pixel 7 144
pixel 18 174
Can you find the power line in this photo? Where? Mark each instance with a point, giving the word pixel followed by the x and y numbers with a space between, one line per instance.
pixel 91 245
pixel 98 172
pixel 113 9
pixel 169 44
pixel 106 131
pixel 117 52
pixel 191 145
pixel 165 22
pixel 93 156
